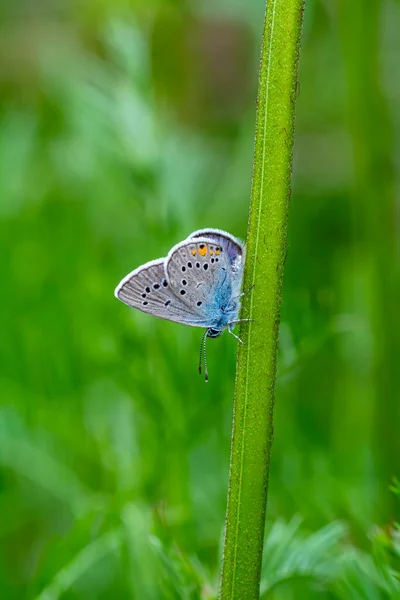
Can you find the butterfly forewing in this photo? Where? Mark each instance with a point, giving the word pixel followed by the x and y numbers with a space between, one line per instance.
pixel 148 289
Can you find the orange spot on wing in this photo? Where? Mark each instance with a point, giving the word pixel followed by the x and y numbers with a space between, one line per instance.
pixel 194 252
pixel 217 251
pixel 203 249
pixel 211 252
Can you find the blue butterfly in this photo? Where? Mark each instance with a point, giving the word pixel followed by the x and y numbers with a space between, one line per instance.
pixel 198 284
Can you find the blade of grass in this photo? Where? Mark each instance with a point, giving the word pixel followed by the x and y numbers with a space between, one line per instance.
pixel 266 250
pixel 94 552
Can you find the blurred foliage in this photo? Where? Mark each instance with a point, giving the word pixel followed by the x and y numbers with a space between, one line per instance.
pixel 123 127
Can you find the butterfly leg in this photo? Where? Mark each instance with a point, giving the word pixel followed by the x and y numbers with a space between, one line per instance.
pixel 240 321
pixel 245 292
pixel 235 336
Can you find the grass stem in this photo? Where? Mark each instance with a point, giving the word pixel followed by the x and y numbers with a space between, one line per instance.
pixel 266 250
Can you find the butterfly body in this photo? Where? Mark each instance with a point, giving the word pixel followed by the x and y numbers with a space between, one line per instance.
pixel 224 312
pixel 197 284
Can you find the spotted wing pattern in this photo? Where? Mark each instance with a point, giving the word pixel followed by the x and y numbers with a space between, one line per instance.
pixel 233 247
pixel 199 272
pixel 147 289
pixel 193 285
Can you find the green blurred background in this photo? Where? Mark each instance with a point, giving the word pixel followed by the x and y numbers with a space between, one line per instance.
pixel 124 126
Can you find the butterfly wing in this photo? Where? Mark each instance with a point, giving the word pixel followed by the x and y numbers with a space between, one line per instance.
pixel 198 277
pixel 199 272
pixel 233 247
pixel 148 289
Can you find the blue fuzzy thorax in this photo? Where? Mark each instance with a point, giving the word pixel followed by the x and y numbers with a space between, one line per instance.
pixel 225 308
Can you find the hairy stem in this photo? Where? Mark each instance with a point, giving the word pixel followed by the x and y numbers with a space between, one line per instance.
pixel 266 250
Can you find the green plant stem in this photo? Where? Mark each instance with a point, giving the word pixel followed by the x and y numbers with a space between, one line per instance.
pixel 266 250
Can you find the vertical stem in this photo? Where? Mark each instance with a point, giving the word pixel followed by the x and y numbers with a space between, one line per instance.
pixel 266 250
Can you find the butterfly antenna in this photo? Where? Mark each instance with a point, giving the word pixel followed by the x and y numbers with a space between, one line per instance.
pixel 203 354
pixel 205 360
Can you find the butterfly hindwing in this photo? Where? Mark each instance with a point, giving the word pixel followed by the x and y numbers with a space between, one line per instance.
pixel 233 247
pixel 199 271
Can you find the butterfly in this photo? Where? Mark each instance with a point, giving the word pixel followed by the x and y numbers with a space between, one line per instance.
pixel 198 284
